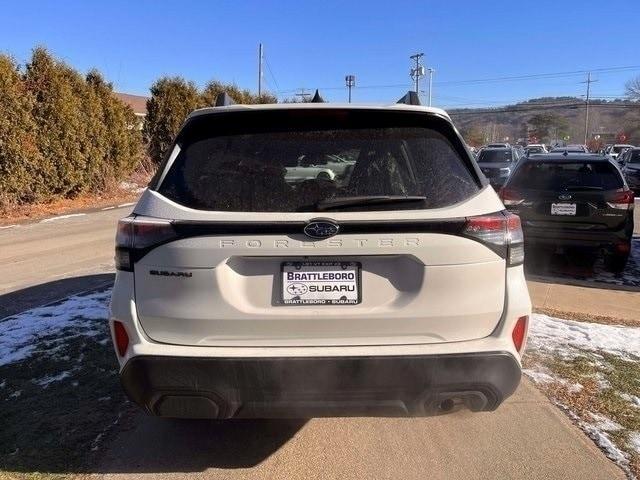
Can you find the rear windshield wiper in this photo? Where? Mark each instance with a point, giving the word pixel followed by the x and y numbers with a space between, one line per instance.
pixel 582 187
pixel 332 203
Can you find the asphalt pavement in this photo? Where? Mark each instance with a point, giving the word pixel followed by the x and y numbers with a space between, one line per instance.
pixel 527 437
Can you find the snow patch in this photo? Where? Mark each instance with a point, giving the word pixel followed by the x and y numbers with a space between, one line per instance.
pixel 634 441
pixel 16 394
pixel 604 423
pixel 555 335
pixel 635 401
pixel 45 381
pixel 20 334
pixel 3 384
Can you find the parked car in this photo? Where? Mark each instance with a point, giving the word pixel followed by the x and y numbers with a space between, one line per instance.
pixel 397 292
pixel 497 164
pixel 573 200
pixel 571 149
pixel 631 169
pixel 498 145
pixel 536 148
pixel 614 150
pixel 317 165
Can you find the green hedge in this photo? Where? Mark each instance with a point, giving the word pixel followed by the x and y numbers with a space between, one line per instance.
pixel 61 134
pixel 173 98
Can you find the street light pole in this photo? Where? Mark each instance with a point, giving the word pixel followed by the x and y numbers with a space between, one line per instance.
pixel 431 70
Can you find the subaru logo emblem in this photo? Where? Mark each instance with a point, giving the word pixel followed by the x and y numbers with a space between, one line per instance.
pixel 321 229
pixel 565 196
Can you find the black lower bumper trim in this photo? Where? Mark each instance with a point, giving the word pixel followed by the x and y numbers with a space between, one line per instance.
pixel 303 387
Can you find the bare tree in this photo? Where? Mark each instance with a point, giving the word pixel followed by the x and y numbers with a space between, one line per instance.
pixel 633 89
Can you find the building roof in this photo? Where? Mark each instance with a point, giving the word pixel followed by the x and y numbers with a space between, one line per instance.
pixel 137 102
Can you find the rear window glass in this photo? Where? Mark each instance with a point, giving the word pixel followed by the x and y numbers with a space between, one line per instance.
pixel 291 167
pixel 538 175
pixel 495 156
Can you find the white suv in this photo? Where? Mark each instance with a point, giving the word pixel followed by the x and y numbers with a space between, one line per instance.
pixel 397 291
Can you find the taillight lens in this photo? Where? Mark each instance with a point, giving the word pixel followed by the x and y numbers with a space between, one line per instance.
pixel 621 200
pixel 502 232
pixel 519 332
pixel 510 197
pixel 136 236
pixel 121 338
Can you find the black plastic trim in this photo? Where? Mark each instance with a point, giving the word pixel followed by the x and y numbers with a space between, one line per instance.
pixel 195 387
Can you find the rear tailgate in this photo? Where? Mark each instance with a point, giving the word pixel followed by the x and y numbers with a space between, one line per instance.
pixel 414 288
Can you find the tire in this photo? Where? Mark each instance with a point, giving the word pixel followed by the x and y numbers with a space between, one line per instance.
pixel 323 176
pixel 616 263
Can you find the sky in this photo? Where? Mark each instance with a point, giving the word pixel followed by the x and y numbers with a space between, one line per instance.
pixel 471 45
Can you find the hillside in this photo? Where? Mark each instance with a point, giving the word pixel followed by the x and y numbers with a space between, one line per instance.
pixel 550 118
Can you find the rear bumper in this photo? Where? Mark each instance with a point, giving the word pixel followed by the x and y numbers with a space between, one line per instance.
pixel 302 387
pixel 576 238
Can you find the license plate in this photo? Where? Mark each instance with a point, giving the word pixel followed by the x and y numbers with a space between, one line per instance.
pixel 563 209
pixel 320 283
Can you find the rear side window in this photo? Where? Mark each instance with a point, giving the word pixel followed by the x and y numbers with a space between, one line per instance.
pixel 291 161
pixel 634 157
pixel 539 175
pixel 495 156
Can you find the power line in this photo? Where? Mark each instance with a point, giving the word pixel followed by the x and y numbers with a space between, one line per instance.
pixel 266 61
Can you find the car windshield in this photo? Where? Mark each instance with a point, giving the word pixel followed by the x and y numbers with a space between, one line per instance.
pixel 558 176
pixel 495 156
pixel 293 167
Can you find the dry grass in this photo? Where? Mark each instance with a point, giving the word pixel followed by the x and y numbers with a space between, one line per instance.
pixel 589 317
pixel 604 379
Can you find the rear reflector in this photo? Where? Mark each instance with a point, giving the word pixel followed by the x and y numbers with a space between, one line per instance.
pixel 121 338
pixel 621 200
pixel 502 232
pixel 519 332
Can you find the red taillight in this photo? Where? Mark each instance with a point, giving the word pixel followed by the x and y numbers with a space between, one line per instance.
pixel 121 338
pixel 519 332
pixel 510 196
pixel 502 232
pixel 621 200
pixel 135 235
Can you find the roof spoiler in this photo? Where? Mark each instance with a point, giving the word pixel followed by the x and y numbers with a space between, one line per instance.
pixel 317 98
pixel 224 100
pixel 410 98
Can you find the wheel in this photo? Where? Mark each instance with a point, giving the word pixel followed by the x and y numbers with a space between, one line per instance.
pixel 323 176
pixel 616 262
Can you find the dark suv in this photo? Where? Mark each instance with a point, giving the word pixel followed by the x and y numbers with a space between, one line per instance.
pixel 573 200
pixel 497 164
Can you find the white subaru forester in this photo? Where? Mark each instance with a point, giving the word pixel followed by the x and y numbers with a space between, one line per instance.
pixel 393 289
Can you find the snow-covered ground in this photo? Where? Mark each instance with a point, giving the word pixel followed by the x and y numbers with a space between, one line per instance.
pixel 21 334
pixel 557 339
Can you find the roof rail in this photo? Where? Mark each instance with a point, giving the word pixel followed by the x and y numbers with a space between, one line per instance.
pixel 317 98
pixel 410 98
pixel 224 100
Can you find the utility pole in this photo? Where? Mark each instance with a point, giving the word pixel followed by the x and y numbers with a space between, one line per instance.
pixel 586 113
pixel 418 71
pixel 431 70
pixel 303 95
pixel 351 82
pixel 260 56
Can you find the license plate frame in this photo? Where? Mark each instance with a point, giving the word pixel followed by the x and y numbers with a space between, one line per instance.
pixel 564 209
pixel 320 266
